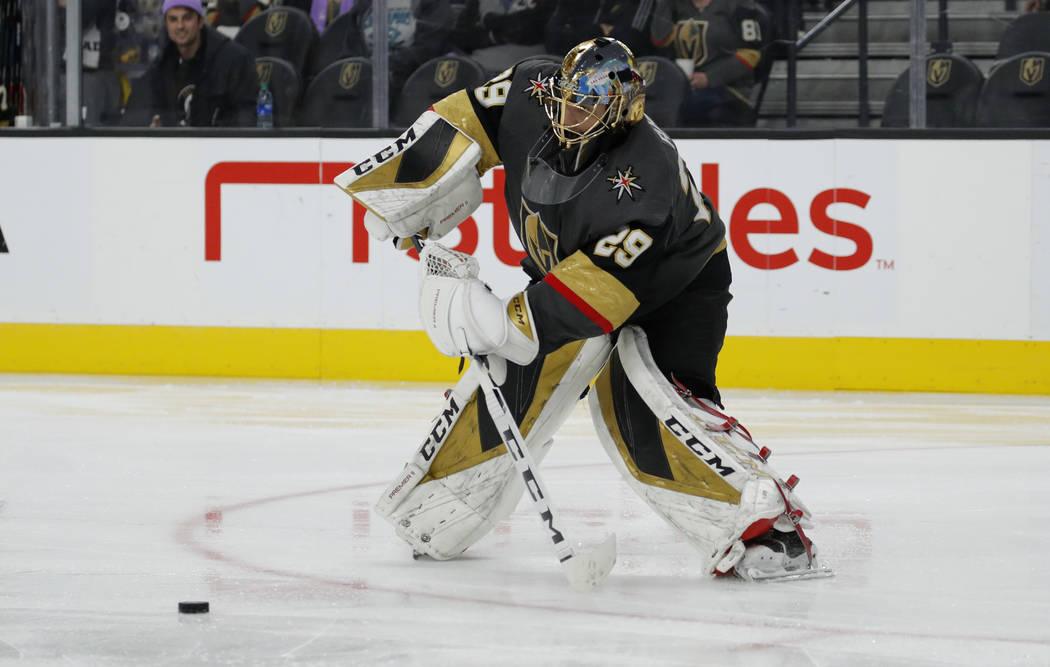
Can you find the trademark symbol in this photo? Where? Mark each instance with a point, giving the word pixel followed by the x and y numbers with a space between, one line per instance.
pixel 884 264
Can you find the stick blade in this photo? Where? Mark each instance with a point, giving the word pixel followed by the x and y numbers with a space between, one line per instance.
pixel 587 570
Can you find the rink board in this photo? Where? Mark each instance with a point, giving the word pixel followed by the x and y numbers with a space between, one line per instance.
pixel 858 264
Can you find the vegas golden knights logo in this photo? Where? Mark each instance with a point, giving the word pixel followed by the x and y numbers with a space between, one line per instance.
pixel 648 70
pixel 276 22
pixel 349 75
pixel 446 72
pixel 541 245
pixel 265 71
pixel 938 71
pixel 1031 71
pixel 690 40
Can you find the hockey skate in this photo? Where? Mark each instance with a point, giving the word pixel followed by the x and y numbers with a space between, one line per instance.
pixel 781 556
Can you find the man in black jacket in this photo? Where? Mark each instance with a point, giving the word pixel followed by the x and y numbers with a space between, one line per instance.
pixel 202 78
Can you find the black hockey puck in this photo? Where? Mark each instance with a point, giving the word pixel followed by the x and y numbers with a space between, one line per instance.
pixel 194 608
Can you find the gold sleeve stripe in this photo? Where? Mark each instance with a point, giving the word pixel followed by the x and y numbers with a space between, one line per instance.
pixel 749 57
pixel 457 109
pixel 383 178
pixel 594 291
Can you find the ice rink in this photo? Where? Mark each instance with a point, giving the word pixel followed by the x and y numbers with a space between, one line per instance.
pixel 121 496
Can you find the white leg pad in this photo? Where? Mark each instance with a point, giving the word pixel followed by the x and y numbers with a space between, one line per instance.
pixel 444 516
pixel 711 523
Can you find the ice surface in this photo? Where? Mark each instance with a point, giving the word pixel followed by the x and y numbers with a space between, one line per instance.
pixel 119 497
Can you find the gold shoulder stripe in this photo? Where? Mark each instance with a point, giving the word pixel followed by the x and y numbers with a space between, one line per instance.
pixel 457 109
pixel 596 287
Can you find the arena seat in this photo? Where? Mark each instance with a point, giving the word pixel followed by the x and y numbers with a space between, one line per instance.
pixel 666 86
pixel 433 80
pixel 333 44
pixel 1027 32
pixel 1017 93
pixel 953 84
pixel 340 95
pixel 283 82
pixel 280 32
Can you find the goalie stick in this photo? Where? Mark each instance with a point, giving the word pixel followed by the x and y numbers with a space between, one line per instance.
pixel 584 570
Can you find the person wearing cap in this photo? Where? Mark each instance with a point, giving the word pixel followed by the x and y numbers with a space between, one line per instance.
pixel 202 78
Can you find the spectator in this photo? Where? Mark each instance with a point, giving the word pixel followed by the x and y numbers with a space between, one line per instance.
pixel 499 33
pixel 574 21
pixel 202 78
pixel 323 12
pixel 723 39
pixel 418 31
pixel 229 15
pixel 1036 5
pixel 101 88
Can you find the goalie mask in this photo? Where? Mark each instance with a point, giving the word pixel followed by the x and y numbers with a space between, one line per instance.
pixel 598 89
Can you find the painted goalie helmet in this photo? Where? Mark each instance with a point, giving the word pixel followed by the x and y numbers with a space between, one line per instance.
pixel 598 88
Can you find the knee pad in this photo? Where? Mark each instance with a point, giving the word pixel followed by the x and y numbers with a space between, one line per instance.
pixel 456 488
pixel 696 467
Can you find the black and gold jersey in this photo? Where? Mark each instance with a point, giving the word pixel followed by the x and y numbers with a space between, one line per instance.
pixel 607 245
pixel 724 39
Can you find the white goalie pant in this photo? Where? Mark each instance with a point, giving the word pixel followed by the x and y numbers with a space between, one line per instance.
pixel 442 515
pixel 693 465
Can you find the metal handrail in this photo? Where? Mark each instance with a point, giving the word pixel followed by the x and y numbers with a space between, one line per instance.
pixel 796 45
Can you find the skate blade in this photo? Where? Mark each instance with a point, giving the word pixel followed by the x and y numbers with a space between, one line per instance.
pixel 821 572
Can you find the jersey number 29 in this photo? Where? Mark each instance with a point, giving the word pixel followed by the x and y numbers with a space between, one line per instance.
pixel 494 92
pixel 624 246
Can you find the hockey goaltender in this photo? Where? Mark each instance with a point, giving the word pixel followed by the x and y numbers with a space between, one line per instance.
pixel 627 303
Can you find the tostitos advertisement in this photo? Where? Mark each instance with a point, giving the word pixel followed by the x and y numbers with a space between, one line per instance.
pixel 831 241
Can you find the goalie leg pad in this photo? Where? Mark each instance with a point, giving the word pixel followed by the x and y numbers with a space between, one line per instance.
pixel 466 486
pixel 696 467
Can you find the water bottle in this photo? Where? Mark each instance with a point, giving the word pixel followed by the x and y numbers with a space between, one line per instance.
pixel 264 107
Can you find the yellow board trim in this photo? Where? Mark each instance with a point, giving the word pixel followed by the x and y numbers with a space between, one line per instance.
pixel 870 364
